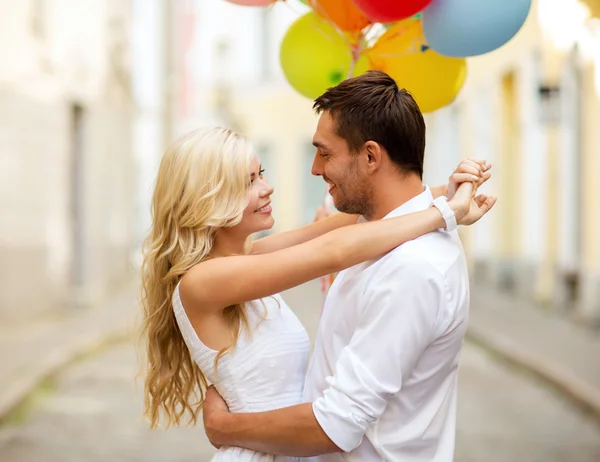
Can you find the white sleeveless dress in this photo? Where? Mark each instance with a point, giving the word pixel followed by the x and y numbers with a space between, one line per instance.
pixel 265 371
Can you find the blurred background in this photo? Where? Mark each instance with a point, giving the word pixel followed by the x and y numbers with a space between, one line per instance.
pixel 92 92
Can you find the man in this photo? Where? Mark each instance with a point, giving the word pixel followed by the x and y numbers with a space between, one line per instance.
pixel 382 384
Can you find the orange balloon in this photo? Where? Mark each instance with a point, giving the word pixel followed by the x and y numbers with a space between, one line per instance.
pixel 434 80
pixel 342 13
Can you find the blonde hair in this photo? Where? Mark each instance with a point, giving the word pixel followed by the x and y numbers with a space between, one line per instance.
pixel 201 186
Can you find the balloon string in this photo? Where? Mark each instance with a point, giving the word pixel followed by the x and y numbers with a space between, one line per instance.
pixel 392 55
pixel 415 46
pixel 323 13
pixel 324 34
pixel 354 49
pixel 357 50
pixel 351 68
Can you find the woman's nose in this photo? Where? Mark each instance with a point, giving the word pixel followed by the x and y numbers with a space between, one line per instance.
pixel 267 190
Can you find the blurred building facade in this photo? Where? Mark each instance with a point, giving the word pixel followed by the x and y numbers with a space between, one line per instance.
pixel 223 62
pixel 278 120
pixel 532 108
pixel 66 165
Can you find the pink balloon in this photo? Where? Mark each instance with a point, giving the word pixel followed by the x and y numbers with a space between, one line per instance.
pixel 252 2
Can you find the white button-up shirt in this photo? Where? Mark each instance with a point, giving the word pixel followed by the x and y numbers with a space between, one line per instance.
pixel 383 378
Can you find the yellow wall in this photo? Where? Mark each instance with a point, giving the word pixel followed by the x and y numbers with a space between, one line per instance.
pixel 502 74
pixel 509 160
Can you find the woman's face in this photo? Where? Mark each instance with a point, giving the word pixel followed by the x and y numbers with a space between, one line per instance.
pixel 257 216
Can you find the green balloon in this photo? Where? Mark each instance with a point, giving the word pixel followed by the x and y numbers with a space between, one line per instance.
pixel 304 1
pixel 314 56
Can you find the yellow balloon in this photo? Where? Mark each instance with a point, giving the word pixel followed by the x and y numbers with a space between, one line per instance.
pixel 434 80
pixel 314 56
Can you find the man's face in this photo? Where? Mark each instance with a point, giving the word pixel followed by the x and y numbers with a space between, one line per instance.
pixel 342 170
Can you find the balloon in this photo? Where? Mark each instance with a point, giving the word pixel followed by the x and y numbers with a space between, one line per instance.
pixel 315 57
pixel 343 13
pixel 434 80
pixel 390 11
pixel 472 27
pixel 252 2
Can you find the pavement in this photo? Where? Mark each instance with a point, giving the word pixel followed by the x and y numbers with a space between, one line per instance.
pixel 563 354
pixel 30 353
pixel 92 411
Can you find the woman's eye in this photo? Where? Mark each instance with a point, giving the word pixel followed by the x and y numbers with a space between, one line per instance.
pixel 260 175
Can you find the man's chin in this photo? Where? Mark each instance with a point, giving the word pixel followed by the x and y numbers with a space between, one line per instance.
pixel 349 208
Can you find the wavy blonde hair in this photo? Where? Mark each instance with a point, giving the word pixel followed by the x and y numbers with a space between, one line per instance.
pixel 202 186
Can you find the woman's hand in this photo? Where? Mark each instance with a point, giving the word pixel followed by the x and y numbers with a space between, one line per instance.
pixel 468 170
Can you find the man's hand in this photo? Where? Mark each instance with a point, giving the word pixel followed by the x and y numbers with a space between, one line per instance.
pixel 289 431
pixel 467 208
pixel 213 407
pixel 469 170
pixel 480 205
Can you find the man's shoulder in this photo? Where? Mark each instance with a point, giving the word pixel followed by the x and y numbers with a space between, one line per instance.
pixel 438 249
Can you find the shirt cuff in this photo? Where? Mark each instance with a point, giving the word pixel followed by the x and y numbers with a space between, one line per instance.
pixel 343 427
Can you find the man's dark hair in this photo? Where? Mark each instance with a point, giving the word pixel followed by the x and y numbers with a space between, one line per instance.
pixel 372 107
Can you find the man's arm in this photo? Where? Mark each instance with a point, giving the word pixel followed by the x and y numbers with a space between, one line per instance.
pixel 396 326
pixel 288 431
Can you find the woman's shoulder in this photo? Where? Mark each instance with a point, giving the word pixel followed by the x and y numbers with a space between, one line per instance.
pixel 193 290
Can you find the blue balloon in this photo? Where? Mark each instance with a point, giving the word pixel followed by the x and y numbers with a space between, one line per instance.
pixel 461 28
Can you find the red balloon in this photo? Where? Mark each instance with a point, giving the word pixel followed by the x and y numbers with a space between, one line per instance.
pixel 386 11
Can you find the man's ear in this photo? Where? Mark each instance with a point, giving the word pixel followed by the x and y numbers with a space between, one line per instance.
pixel 373 156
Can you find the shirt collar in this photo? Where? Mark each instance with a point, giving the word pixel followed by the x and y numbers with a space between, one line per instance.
pixel 421 202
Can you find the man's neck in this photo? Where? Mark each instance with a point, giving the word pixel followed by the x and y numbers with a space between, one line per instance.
pixel 393 193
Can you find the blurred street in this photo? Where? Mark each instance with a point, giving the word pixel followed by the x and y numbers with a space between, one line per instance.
pixel 91 95
pixel 91 412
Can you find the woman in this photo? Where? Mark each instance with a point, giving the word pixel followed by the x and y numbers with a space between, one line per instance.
pixel 212 313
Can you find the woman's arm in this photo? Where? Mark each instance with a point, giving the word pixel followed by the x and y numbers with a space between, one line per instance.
pixel 214 284
pixel 468 170
pixel 287 239
pixel 437 191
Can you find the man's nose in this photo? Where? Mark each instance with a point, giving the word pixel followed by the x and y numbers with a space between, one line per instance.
pixel 317 168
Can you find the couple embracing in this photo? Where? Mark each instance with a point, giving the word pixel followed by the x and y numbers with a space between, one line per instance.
pixel 382 381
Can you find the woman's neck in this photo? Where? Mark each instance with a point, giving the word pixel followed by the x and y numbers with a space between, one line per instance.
pixel 226 245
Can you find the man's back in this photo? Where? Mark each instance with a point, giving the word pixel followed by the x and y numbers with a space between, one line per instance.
pixel 387 352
